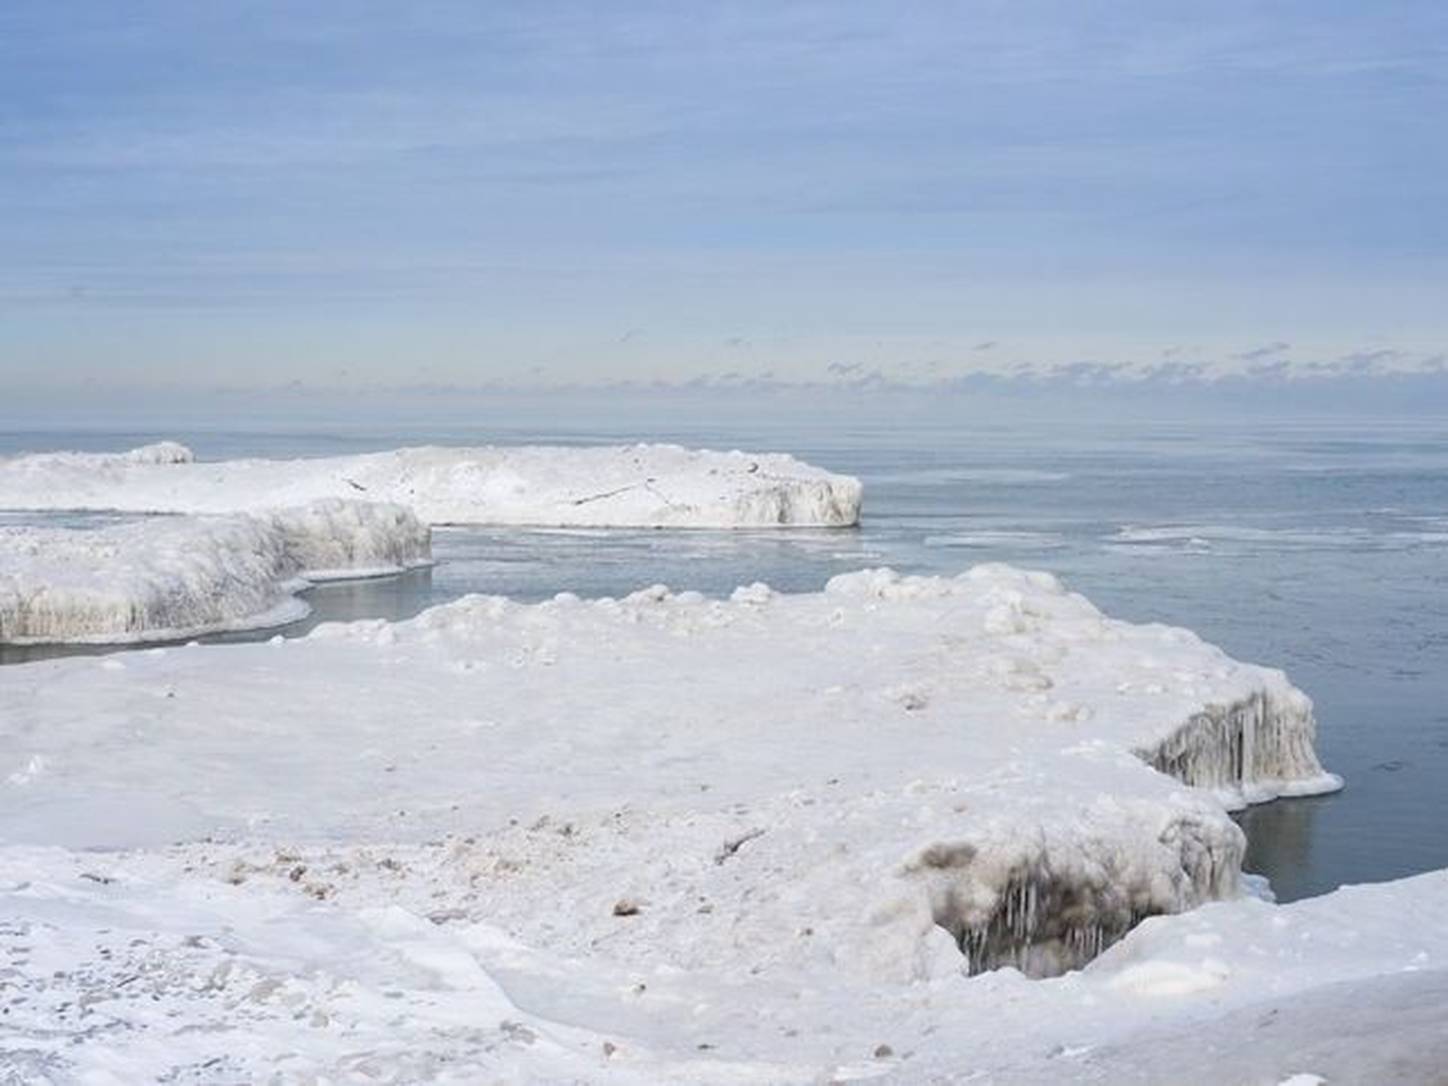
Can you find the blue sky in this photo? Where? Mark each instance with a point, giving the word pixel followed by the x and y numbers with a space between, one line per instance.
pixel 374 194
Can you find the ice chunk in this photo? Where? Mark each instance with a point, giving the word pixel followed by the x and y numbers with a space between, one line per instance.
pixel 338 538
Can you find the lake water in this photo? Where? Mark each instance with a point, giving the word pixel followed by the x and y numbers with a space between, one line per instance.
pixel 1317 546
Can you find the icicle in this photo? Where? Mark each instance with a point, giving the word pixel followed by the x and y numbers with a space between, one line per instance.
pixel 1258 739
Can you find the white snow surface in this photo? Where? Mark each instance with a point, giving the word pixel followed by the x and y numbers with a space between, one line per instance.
pixel 605 486
pixel 177 576
pixel 673 839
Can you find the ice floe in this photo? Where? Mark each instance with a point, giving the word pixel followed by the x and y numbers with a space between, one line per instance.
pixel 635 486
pixel 165 577
pixel 774 838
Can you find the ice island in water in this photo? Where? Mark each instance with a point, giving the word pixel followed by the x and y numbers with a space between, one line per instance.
pixel 538 486
pixel 901 829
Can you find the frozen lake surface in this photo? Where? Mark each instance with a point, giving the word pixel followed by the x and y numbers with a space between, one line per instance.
pixel 1315 546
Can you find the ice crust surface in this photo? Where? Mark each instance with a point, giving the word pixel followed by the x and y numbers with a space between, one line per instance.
pixel 620 486
pixel 177 576
pixel 666 838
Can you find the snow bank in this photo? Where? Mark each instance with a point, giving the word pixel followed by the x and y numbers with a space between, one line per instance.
pixel 171 577
pixel 126 969
pixel 636 486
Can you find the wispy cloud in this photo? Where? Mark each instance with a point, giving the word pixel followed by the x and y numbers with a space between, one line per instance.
pixel 1266 350
pixel 1013 186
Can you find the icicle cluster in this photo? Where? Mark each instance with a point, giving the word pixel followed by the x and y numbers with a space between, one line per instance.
pixel 1053 915
pixel 1251 749
pixel 1057 908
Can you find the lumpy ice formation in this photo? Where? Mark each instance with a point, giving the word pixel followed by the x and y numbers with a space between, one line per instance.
pixel 176 576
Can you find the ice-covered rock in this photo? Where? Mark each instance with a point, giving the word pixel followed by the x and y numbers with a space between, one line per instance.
pixel 773 838
pixel 176 576
pixel 636 485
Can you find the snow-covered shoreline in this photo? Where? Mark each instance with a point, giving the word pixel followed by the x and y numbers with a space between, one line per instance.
pixel 166 578
pixel 535 486
pixel 667 838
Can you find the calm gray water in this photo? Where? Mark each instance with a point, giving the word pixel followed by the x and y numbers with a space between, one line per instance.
pixel 1319 547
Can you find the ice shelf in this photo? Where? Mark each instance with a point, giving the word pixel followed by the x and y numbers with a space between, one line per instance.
pixel 774 838
pixel 606 486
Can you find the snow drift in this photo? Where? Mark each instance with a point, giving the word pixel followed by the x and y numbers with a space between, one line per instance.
pixel 169 577
pixel 625 486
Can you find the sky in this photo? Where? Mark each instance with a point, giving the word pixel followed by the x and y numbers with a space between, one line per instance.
pixel 353 194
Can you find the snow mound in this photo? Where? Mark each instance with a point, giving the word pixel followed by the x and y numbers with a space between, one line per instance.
pixel 169 577
pixel 771 838
pixel 634 486
pixel 162 452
